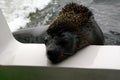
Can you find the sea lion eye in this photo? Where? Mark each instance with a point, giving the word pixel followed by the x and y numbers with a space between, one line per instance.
pixel 64 41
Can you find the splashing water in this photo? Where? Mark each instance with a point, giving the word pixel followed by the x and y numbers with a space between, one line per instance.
pixel 16 11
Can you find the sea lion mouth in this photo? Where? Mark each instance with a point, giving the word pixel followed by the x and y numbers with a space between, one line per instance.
pixel 59 58
pixel 57 55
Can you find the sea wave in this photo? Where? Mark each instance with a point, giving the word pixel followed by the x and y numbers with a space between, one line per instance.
pixel 16 11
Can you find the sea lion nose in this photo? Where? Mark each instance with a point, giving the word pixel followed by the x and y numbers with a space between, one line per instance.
pixel 53 53
pixel 50 52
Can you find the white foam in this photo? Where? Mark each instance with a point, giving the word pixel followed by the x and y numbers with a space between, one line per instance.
pixel 16 11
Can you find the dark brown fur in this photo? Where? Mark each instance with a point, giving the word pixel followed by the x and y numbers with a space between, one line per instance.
pixel 73 17
pixel 72 14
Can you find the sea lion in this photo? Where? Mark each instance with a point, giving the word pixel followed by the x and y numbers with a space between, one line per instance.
pixel 73 29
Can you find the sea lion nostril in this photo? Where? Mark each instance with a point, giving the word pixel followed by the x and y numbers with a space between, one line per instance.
pixel 53 53
pixel 50 52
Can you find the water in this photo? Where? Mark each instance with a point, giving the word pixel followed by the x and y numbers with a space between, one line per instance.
pixel 16 11
pixel 33 13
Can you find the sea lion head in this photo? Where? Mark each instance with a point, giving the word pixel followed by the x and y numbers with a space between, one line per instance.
pixel 66 33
